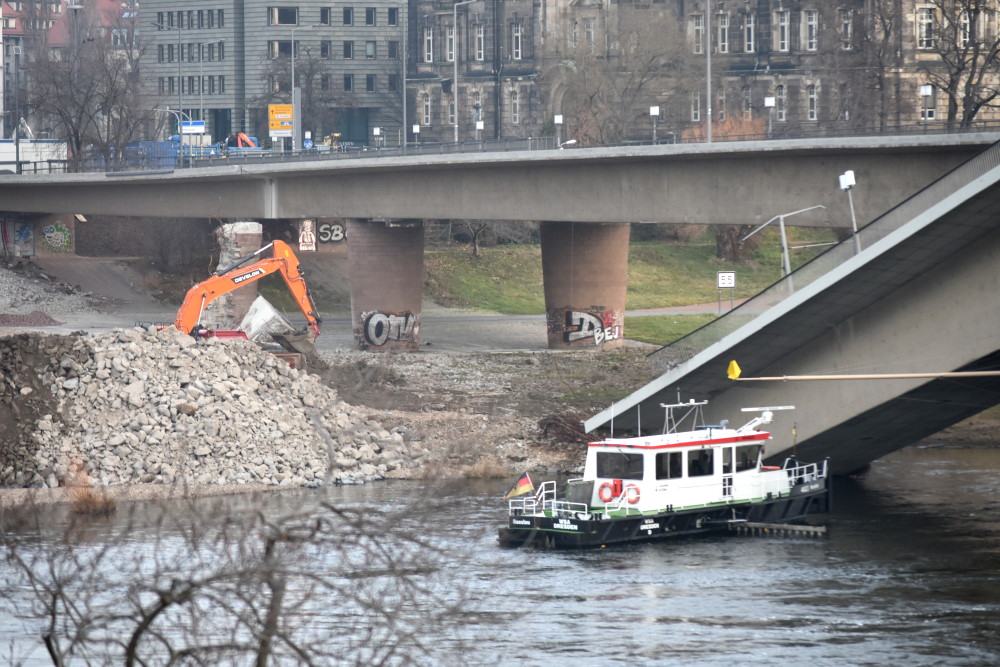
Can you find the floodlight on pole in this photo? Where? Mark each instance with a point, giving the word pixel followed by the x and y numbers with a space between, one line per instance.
pixel 847 183
pixel 296 114
pixel 454 82
pixel 654 113
pixel 201 76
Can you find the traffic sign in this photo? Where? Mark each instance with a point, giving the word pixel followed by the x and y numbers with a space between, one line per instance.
pixel 192 127
pixel 307 143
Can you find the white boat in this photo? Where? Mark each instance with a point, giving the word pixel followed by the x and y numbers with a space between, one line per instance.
pixel 676 483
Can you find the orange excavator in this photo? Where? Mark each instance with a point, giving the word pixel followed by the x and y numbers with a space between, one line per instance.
pixel 283 261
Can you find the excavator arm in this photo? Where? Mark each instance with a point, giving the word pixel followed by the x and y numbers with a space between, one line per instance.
pixel 282 261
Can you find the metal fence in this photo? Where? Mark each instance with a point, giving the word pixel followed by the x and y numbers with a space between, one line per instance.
pixel 701 339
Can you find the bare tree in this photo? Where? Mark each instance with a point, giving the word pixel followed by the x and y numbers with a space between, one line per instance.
pixel 877 35
pixel 609 91
pixel 964 37
pixel 494 231
pixel 314 75
pixel 91 93
pixel 222 585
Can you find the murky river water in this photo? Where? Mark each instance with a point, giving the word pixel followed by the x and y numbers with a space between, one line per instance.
pixel 909 574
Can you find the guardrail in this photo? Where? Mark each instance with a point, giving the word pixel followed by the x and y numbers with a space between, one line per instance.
pixel 701 339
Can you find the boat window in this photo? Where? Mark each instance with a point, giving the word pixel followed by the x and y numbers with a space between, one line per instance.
pixel 727 461
pixel 669 465
pixel 618 465
pixel 747 457
pixel 700 463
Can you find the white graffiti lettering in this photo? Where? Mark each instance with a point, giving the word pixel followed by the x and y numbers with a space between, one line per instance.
pixel 380 328
pixel 588 325
pixel 248 276
pixel 331 232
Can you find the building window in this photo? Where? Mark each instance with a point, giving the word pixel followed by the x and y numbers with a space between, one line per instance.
pixel 515 36
pixel 370 49
pixel 393 50
pixel 449 44
pixel 781 21
pixel 393 16
pixel 721 113
pixel 747 104
pixel 393 82
pixel 324 82
pixel 370 83
pixel 722 23
pixel 425 108
pixel 749 33
pixel 515 108
pixel 695 107
pixel 348 82
pixel 928 103
pixel 222 19
pixel 325 49
pixel 282 15
pixel 812 29
pixel 780 99
pixel 279 49
pixel 963 29
pixel 812 102
pixel 370 16
pixel 698 33
pixel 588 33
pixel 428 45
pixel 348 50
pixel 925 27
pixel 476 105
pixel 324 15
pixel 348 16
pixel 845 18
pixel 451 110
pixel 480 42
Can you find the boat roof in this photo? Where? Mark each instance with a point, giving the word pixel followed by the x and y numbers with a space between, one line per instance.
pixel 701 438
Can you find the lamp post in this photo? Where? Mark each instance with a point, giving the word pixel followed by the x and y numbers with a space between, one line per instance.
pixel 17 52
pixel 180 137
pixel 708 70
pixel 180 81
pixel 769 105
pixel 201 76
pixel 926 91
pixel 558 120
pixel 296 94
pixel 454 84
pixel 847 183
pixel 786 260
pixel 654 113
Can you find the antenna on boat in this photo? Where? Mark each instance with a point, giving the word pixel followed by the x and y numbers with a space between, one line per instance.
pixel 612 419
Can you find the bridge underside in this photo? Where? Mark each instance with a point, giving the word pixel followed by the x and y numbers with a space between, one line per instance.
pixel 925 298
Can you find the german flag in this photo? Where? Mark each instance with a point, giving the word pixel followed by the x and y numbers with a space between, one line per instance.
pixel 521 486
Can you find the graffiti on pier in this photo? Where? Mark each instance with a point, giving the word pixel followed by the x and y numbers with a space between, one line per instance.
pixel 57 238
pixel 595 324
pixel 378 329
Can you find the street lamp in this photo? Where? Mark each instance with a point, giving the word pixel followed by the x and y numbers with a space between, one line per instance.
pixel 769 105
pixel 454 85
pixel 201 76
pixel 847 183
pixel 17 52
pixel 180 137
pixel 708 70
pixel 926 91
pixel 558 120
pixel 296 94
pixel 786 261
pixel 654 113
pixel 569 142
pixel 180 82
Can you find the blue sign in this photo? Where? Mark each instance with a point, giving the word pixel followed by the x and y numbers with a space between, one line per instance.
pixel 308 143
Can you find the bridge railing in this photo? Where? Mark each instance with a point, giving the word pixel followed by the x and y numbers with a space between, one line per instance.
pixel 701 339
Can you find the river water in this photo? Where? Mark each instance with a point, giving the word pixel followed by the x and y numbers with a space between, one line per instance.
pixel 908 574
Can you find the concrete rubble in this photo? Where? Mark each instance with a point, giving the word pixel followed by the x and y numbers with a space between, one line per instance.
pixel 158 407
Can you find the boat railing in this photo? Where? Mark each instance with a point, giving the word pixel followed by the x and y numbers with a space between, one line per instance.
pixel 804 472
pixel 620 503
pixel 544 501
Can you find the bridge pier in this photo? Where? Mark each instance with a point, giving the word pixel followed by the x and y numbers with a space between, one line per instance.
pixel 385 260
pixel 585 271
pixel 235 240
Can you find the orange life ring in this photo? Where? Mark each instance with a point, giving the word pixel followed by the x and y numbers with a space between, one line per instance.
pixel 632 499
pixel 606 487
pixel 770 468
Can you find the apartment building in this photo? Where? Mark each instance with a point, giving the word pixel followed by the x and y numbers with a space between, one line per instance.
pixel 225 61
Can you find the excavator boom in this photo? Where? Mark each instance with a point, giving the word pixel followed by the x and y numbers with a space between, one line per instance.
pixel 282 261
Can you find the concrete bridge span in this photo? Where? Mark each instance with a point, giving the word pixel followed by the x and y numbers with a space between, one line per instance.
pixel 919 293
pixel 383 201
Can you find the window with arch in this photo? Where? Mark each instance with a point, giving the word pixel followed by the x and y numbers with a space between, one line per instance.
pixel 425 107
pixel 780 99
pixel 515 108
pixel 721 113
pixel 475 107
pixel 747 102
pixel 812 102
pixel 695 107
pixel 749 33
pixel 428 44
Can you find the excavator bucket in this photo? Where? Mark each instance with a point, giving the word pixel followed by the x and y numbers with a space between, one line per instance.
pixel 297 341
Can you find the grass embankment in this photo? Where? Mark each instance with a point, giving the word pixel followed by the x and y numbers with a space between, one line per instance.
pixel 662 274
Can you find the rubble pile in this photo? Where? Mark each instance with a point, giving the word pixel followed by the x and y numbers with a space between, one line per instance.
pixel 136 406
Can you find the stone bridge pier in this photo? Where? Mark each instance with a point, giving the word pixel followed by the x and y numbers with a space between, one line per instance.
pixel 386 266
pixel 585 270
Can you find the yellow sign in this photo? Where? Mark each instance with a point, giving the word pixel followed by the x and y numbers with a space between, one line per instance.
pixel 279 116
